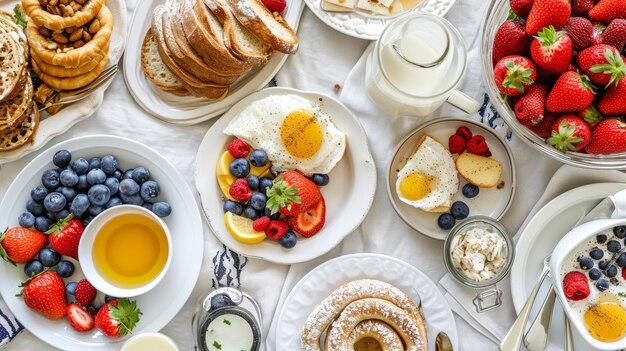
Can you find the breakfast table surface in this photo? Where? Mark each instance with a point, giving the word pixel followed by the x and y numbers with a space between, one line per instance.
pixel 331 63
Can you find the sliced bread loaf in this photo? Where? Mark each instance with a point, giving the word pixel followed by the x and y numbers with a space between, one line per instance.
pixel 484 172
pixel 155 69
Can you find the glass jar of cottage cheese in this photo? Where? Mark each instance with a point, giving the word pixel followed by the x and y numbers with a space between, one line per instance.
pixel 479 253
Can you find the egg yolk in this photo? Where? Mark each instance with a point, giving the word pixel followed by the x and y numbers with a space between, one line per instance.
pixel 606 321
pixel 415 186
pixel 301 134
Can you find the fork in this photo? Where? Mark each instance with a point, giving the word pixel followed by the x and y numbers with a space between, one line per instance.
pixel 64 97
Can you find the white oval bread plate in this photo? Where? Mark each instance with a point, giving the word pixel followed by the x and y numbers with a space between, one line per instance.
pixel 348 196
pixel 189 110
pixel 159 305
pixel 493 202
pixel 311 290
pixel 52 126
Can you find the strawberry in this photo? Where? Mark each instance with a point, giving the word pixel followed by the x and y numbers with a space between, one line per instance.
pixel 118 317
pixel 614 100
pixel 20 245
pixel 456 144
pixel 275 5
pixel 602 63
pixel 238 148
pixel 548 12
pixel 292 193
pixel 521 7
pixel 45 294
pixel 552 50
pixel 580 30
pixel 309 222
pixel 591 115
pixel 544 128
pixel 530 109
pixel 276 229
pixel 514 75
pixel 79 318
pixel 609 137
pixel 572 92
pixel 510 39
pixel 582 7
pixel 597 36
pixel 608 10
pixel 260 223
pixel 85 293
pixel 570 133
pixel 65 236
pixel 615 34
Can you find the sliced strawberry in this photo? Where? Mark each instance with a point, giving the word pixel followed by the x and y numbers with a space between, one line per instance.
pixel 311 221
pixel 79 318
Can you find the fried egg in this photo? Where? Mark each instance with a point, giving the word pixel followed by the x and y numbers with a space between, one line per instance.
pixel 429 180
pixel 292 132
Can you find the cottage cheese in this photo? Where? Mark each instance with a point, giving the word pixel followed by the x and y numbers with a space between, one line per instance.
pixel 479 254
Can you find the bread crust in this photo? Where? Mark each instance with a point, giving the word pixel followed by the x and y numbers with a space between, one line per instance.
pixel 40 17
pixel 176 88
pixel 63 72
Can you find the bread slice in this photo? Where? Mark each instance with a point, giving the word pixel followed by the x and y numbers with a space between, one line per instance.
pixel 13 111
pixel 484 172
pixel 269 27
pixel 13 57
pixel 23 133
pixel 155 69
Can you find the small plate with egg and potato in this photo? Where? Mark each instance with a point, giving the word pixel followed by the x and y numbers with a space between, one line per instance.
pixel 423 156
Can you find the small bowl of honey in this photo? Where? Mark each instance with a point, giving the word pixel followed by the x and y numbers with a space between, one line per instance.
pixel 125 251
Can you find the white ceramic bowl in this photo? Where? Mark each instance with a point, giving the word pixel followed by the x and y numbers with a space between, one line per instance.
pixel 146 341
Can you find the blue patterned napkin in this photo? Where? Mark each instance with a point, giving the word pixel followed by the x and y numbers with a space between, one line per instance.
pixel 9 326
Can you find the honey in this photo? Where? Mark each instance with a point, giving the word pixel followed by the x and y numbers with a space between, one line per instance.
pixel 606 321
pixel 130 250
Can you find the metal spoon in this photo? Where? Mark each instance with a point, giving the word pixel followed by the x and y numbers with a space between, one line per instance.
pixel 536 338
pixel 442 343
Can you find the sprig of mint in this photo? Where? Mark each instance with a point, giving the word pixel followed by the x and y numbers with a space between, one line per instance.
pixel 19 16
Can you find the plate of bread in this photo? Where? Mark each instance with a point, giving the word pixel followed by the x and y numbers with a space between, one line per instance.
pixel 191 60
pixel 449 169
pixel 48 46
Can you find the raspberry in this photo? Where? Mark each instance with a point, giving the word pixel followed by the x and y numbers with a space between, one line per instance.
pixel 275 5
pixel 276 229
pixel 85 293
pixel 486 153
pixel 575 286
pixel 464 132
pixel 624 272
pixel 238 148
pixel 477 145
pixel 240 190
pixel 456 144
pixel 260 223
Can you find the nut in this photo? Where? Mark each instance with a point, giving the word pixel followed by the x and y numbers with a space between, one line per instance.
pixel 52 46
pixel 86 36
pixel 82 2
pixel 94 27
pixel 53 2
pixel 76 35
pixel 59 51
pixel 43 3
pixel 70 30
pixel 78 44
pixel 44 31
pixel 68 11
pixel 59 38
pixel 64 2
pixel 76 7
pixel 67 49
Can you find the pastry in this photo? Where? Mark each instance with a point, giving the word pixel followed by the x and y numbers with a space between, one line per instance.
pixel 13 57
pixel 11 139
pixel 380 332
pixel 62 72
pixel 60 14
pixel 71 83
pixel 13 111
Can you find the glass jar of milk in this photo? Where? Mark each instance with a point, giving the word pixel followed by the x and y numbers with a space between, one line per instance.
pixel 416 65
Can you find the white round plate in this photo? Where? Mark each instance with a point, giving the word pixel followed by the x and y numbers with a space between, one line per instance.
pixel 491 202
pixel 187 109
pixel 324 279
pixel 348 196
pixel 540 237
pixel 66 118
pixel 159 305
pixel 364 26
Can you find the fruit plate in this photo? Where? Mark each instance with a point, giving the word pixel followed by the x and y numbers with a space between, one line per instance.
pixel 191 110
pixel 51 126
pixel 538 240
pixel 311 290
pixel 493 202
pixel 348 196
pixel 162 303
pixel 370 27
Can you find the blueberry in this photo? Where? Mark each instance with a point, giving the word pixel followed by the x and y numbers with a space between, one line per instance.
pixel 470 190
pixel 68 193
pixel 613 246
pixel 129 187
pixel 61 215
pixel 108 298
pixel 113 184
pixel 95 210
pixel 585 263
pixel 253 182
pixel 620 232
pixel 258 201
pixel 288 240
pixel 446 221
pixel 161 209
pixel 264 184
pixel 268 213
pixel 51 216
pixel 149 190
pixel 459 210
pixel 596 253
pixel 321 179
pixel 34 207
pixel 117 174
pixel 26 220
pixel 595 274
pixel 602 284
pixel 42 223
pixel 39 193
pixel 114 201
pixel 258 158
pixel 128 174
pixel 251 213
pixel 70 288
pixel 140 174
pixel 99 195
pixel 239 168
pixel 95 163
pixel 109 164
pixel 603 265
pixel 131 199
pixel 54 202
pixel 79 205
pixel 50 179
pixel 49 257
pixel 148 205
pixel 601 238
pixel 88 220
pixel 65 269
pixel 62 158
pixel 611 271
pixel 80 166
pixel 232 206
pixel 83 184
pixel 220 301
pixel 33 267
pixel 621 260
pixel 96 176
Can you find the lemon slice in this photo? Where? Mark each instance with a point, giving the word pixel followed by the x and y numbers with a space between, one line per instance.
pixel 241 229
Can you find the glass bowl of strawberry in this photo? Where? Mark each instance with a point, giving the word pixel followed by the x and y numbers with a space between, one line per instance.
pixel 559 80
